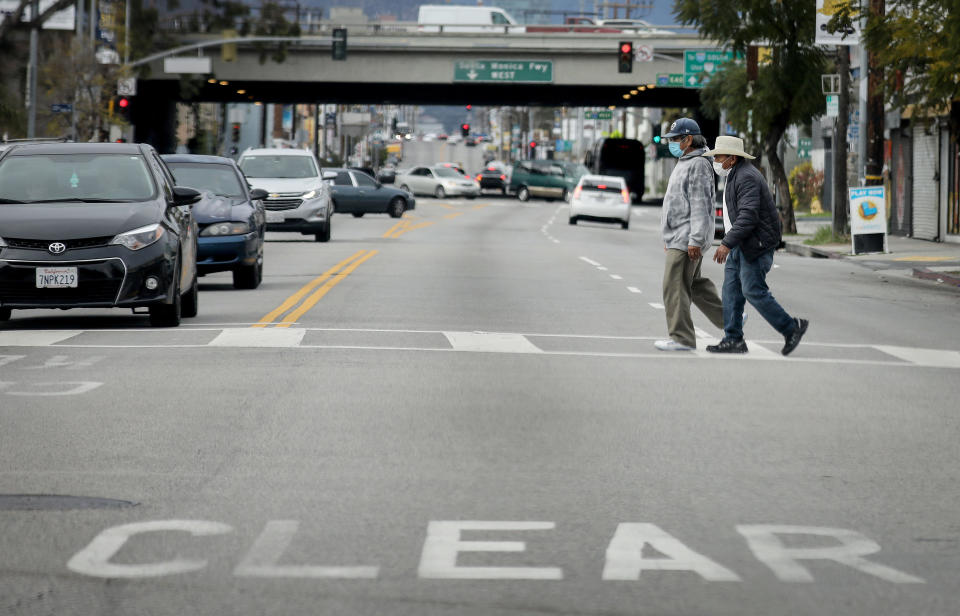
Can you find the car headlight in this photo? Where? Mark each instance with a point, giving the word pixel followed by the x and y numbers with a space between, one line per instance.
pixel 226 228
pixel 309 195
pixel 139 238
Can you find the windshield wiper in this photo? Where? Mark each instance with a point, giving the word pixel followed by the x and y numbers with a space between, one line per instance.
pixel 82 200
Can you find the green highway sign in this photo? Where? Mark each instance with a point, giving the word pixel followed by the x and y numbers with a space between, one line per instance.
pixel 803 148
pixel 670 80
pixel 503 71
pixel 598 115
pixel 701 64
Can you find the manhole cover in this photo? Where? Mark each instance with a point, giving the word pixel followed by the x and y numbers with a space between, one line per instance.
pixel 58 502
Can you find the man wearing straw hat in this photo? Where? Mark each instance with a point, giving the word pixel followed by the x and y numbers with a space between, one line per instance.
pixel 752 233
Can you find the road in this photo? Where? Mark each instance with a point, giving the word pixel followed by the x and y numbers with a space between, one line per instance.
pixel 462 413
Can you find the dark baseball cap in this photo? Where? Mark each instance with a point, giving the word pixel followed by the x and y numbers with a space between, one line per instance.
pixel 682 128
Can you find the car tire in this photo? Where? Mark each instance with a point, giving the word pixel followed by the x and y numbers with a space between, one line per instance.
pixel 358 214
pixel 397 207
pixel 624 224
pixel 471 197
pixel 439 193
pixel 523 193
pixel 167 315
pixel 573 220
pixel 5 314
pixel 190 304
pixel 248 276
pixel 324 235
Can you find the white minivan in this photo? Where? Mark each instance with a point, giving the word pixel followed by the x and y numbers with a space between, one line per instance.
pixel 454 18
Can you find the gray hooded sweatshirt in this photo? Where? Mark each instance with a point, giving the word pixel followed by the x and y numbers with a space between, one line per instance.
pixel 687 217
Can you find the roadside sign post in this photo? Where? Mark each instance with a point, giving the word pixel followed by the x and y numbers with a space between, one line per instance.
pixel 868 220
pixel 61 108
pixel 699 65
pixel 670 80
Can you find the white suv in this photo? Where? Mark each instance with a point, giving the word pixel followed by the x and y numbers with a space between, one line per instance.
pixel 298 199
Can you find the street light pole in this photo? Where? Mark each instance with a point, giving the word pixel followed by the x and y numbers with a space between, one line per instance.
pixel 32 81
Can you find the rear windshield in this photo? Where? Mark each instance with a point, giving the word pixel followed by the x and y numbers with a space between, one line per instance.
pixel 601 186
pixel 75 177
pixel 217 178
pixel 447 172
pixel 278 166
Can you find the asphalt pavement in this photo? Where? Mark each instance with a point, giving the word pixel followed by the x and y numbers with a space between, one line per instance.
pixel 461 412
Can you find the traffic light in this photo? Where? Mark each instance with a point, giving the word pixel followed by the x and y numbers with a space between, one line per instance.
pixel 533 149
pixel 123 108
pixel 235 133
pixel 625 60
pixel 469 107
pixel 661 144
pixel 464 130
pixel 339 48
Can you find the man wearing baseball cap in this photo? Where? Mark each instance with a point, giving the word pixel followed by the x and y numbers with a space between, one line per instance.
pixel 752 233
pixel 687 224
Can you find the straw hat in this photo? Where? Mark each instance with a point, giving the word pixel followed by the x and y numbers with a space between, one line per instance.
pixel 732 146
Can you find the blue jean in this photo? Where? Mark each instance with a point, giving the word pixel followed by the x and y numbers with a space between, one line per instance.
pixel 746 281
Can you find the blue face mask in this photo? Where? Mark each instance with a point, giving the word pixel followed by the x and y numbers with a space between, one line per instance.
pixel 675 149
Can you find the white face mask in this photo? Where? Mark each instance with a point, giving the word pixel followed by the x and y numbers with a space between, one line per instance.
pixel 719 170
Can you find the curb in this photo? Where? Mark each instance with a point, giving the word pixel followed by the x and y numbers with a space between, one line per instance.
pixel 926 274
pixel 811 251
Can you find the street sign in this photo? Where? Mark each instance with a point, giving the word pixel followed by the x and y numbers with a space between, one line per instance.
pixel 503 71
pixel 833 106
pixel 598 115
pixel 699 65
pixel 868 219
pixel 61 108
pixel 127 87
pixel 670 80
pixel 643 53
pixel 804 144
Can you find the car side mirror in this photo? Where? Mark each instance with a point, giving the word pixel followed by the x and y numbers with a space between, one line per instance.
pixel 185 196
pixel 257 194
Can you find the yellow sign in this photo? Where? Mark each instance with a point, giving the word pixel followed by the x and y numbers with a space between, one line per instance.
pixel 228 51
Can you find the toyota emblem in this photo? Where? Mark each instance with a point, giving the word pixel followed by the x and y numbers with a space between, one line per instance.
pixel 57 248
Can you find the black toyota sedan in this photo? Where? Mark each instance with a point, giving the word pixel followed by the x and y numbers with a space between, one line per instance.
pixel 230 216
pixel 93 225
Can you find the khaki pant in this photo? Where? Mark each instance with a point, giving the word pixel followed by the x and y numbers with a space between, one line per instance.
pixel 682 284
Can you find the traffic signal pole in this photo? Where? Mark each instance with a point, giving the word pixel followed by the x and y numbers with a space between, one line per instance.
pixel 34 69
pixel 873 171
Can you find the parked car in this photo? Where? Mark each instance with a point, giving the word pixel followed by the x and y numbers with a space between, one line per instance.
pixel 546 179
pixel 387 175
pixel 355 192
pixel 601 198
pixel 96 225
pixel 230 216
pixel 493 178
pixel 298 199
pixel 438 181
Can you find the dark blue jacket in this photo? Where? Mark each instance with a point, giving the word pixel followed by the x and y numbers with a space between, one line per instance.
pixel 755 220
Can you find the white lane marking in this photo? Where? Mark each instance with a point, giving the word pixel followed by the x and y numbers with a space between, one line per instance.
pixel 55 388
pixel 924 357
pixel 601 268
pixel 656 306
pixel 256 337
pixel 626 561
pixel 634 290
pixel 263 558
pixel 486 342
pixel 760 352
pixel 34 338
pixel 95 558
pixel 555 241
pixel 6 359
pixel 764 541
pixel 439 557
pixel 590 261
pixel 616 276
pixel 63 361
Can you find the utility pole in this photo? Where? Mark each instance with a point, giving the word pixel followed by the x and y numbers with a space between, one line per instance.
pixel 840 199
pixel 34 66
pixel 874 121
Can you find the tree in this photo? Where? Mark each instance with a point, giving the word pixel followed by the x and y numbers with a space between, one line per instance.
pixel 787 88
pixel 918 42
pixel 15 19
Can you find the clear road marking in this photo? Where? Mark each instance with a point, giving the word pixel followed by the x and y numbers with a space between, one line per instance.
pixel 924 357
pixel 590 261
pixel 250 337
pixel 656 306
pixel 408 228
pixel 35 338
pixel 311 301
pixel 263 558
pixel 63 361
pixel 616 276
pixel 634 290
pixel 626 560
pixel 484 342
pixel 292 301
pixel 94 559
pixel 443 543
pixel 760 352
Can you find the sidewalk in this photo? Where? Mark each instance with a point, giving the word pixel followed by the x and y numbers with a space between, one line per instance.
pixel 938 262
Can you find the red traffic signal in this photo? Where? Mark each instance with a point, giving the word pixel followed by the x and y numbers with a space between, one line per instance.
pixel 123 103
pixel 626 47
pixel 469 107
pixel 464 129
pixel 625 59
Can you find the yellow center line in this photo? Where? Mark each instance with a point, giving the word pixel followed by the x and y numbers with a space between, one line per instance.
pixel 311 301
pixel 291 301
pixel 402 223
pixel 445 205
pixel 400 232
pixel 481 206
pixel 454 215
pixel 923 258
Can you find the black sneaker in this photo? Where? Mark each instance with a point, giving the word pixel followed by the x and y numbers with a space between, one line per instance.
pixel 791 341
pixel 728 346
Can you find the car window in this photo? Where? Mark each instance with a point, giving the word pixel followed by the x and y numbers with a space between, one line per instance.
pixel 447 172
pixel 419 171
pixel 278 166
pixel 342 179
pixel 68 177
pixel 499 18
pixel 364 180
pixel 217 178
pixel 602 185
